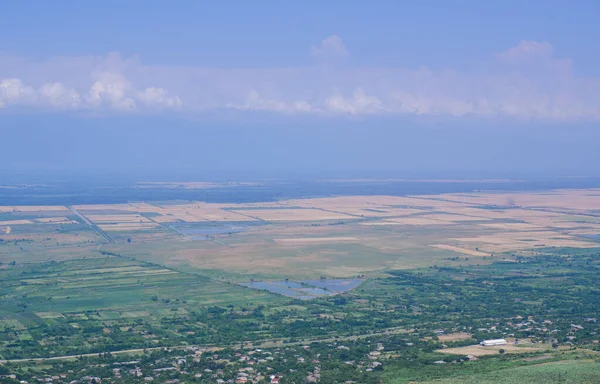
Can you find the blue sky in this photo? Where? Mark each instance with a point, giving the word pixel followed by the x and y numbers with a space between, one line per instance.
pixel 512 69
pixel 406 34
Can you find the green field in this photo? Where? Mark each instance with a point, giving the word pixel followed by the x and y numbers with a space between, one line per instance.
pixel 432 268
pixel 569 372
pixel 106 291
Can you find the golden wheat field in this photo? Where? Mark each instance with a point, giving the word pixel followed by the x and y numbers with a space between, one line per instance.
pixel 336 236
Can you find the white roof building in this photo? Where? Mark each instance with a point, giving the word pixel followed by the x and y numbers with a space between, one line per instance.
pixel 489 343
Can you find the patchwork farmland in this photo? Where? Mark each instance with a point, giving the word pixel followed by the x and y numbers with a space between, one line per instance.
pixel 158 278
pixel 333 236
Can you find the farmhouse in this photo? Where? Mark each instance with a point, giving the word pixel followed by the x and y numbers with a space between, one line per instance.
pixel 489 343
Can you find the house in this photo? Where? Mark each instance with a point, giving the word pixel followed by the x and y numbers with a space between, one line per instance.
pixel 489 343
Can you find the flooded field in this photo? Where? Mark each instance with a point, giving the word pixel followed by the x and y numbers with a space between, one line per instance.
pixel 335 286
pixel 592 237
pixel 306 289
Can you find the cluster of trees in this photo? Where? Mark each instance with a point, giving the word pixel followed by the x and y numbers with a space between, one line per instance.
pixel 520 299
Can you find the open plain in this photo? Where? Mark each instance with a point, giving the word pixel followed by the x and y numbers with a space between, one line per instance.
pixel 331 236
pixel 135 277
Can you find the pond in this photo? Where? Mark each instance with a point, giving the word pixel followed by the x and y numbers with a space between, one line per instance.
pixel 335 285
pixel 306 289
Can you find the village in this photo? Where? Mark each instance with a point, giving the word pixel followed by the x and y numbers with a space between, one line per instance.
pixel 359 361
pixel 202 365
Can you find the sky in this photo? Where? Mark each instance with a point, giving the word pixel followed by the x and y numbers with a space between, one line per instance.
pixel 404 87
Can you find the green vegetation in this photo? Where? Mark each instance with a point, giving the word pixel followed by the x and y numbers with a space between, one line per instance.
pixel 84 302
pixel 112 303
pixel 104 304
pixel 580 372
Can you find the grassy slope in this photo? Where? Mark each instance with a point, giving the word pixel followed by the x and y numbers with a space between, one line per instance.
pixel 581 372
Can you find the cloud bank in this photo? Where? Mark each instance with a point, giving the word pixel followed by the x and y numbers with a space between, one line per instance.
pixel 110 91
pixel 526 81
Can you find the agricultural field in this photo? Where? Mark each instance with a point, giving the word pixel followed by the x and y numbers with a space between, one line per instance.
pixel 425 276
pixel 81 294
pixel 386 329
pixel 350 235
pixel 332 236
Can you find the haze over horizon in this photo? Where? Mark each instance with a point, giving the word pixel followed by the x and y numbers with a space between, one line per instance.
pixel 437 88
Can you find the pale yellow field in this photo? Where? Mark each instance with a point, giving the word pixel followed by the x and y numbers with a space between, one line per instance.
pixel 170 218
pixel 339 236
pixel 367 206
pixel 506 241
pixel 431 202
pixel 471 252
pixel 133 218
pixel 479 350
pixel 584 200
pixel 226 216
pixel 294 214
pixel 414 221
pixel 381 223
pixel 32 208
pixel 197 213
pixel 55 220
pixel 454 218
pixel 455 336
pixel 15 222
pixel 127 226
pixel 105 207
pixel 354 205
pixel 42 238
pixel 316 240
pixel 377 211
pixel 418 220
pixel 515 226
pixel 456 208
pixel 476 212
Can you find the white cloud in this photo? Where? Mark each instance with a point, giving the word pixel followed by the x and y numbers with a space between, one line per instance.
pixel 330 47
pixel 110 91
pixel 13 91
pixel 255 102
pixel 360 103
pixel 159 97
pixel 59 96
pixel 527 49
pixel 526 81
